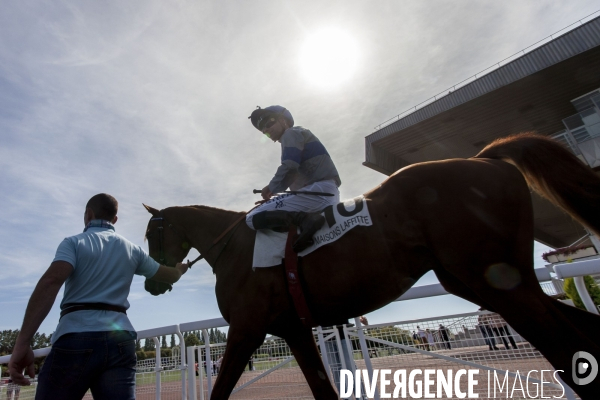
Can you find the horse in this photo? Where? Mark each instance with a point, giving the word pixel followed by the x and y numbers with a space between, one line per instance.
pixel 468 220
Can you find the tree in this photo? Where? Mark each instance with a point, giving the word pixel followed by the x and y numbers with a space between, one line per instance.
pixel 7 341
pixel 163 343
pixel 591 286
pixel 388 333
pixel 9 337
pixel 149 344
pixel 192 340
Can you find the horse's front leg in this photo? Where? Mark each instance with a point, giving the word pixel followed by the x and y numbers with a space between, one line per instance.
pixel 303 346
pixel 241 343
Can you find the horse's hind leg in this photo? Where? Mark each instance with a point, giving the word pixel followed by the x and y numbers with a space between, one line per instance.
pixel 458 288
pixel 539 319
pixel 304 348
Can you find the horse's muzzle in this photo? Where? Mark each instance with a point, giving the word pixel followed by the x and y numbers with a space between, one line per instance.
pixel 156 288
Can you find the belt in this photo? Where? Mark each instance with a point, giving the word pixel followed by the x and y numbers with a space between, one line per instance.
pixel 69 308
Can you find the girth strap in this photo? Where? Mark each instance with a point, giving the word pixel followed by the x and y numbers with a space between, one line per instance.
pixel 293 280
pixel 71 307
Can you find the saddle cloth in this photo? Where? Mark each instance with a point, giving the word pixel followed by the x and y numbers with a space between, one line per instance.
pixel 269 246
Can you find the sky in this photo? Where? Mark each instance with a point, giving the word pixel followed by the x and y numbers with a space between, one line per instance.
pixel 148 101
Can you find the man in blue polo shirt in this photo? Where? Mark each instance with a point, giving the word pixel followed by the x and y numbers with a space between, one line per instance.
pixel 93 346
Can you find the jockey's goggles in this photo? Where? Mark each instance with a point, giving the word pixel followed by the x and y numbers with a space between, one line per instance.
pixel 267 125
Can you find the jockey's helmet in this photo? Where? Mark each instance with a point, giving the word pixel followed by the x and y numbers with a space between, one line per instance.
pixel 261 116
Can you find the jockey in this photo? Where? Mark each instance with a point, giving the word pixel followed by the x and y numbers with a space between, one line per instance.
pixel 305 166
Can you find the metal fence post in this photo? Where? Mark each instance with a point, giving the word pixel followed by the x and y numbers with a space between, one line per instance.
pixel 324 353
pixel 157 367
pixel 191 376
pixel 346 354
pixel 365 350
pixel 200 373
pixel 208 359
pixel 183 365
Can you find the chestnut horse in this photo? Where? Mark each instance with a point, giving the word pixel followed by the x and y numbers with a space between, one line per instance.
pixel 469 220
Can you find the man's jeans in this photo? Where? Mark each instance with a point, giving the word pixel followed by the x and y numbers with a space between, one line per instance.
pixel 101 361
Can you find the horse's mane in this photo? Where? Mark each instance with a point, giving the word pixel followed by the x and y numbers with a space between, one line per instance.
pixel 214 209
pixel 207 208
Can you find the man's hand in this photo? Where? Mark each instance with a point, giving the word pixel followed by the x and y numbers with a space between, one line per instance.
pixel 22 358
pixel 266 193
pixel 170 275
pixel 182 267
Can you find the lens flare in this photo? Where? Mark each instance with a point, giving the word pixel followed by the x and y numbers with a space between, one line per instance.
pixel 503 276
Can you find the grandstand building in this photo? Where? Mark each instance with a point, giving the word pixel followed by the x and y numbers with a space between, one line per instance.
pixel 553 89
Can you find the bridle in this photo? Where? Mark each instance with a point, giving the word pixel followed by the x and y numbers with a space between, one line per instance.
pixel 185 244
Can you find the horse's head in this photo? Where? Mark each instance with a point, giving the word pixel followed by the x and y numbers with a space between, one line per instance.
pixel 166 244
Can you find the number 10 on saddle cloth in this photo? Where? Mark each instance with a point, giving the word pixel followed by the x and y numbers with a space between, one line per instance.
pixel 269 246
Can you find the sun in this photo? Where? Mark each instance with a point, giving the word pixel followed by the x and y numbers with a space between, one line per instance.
pixel 329 57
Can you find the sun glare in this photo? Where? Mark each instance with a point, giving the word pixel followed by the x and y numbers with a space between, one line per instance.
pixel 329 57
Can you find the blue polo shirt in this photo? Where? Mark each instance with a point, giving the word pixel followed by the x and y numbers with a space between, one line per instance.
pixel 103 267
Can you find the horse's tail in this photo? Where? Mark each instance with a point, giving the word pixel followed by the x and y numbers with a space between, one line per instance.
pixel 553 172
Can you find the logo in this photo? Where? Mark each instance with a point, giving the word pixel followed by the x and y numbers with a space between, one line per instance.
pixel 585 368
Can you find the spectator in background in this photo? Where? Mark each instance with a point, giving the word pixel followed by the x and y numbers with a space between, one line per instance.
pixel 445 337
pixel 466 331
pixel 501 330
pixel 486 330
pixel 218 364
pixel 431 339
pixel 423 338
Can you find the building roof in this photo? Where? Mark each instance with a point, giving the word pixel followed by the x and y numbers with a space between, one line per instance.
pixel 530 93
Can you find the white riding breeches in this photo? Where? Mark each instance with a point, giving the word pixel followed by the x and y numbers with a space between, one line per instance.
pixel 300 202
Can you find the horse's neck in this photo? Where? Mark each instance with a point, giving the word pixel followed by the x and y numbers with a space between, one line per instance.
pixel 203 225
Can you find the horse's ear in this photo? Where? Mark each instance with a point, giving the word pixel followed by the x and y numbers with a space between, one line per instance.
pixel 151 210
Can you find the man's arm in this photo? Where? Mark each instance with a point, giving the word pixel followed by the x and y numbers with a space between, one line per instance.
pixel 39 306
pixel 169 274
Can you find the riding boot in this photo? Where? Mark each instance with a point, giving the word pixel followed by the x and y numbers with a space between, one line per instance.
pixel 276 220
pixel 309 224
pixel 280 221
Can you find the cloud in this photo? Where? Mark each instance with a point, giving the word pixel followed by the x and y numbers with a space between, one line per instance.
pixel 149 100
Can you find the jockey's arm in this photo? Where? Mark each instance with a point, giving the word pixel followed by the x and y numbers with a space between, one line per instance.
pixel 169 274
pixel 292 143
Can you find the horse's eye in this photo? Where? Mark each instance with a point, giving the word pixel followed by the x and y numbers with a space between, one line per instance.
pixel 148 235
